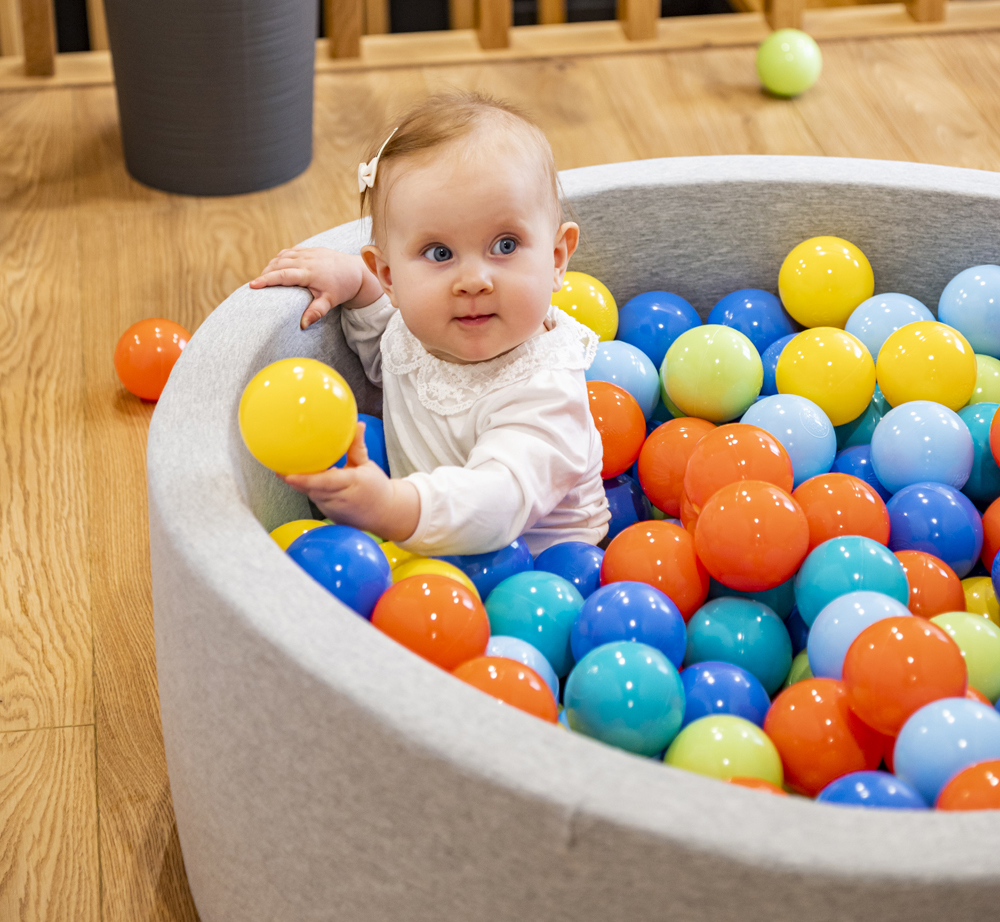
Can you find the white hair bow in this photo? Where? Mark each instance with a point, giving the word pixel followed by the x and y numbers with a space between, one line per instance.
pixel 367 171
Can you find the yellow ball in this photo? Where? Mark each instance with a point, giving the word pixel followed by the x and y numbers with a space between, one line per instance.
pixel 927 360
pixel 823 279
pixel 428 566
pixel 981 598
pixel 396 555
pixel 987 389
pixel 297 416
pixel 586 299
pixel 723 746
pixel 287 533
pixel 831 368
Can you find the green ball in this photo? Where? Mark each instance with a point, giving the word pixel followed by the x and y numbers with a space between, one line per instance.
pixel 987 380
pixel 788 62
pixel 979 640
pixel 800 671
pixel 724 746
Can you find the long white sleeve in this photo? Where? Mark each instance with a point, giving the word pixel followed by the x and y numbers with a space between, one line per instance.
pixel 363 329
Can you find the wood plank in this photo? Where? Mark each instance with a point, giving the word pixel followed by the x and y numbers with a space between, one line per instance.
pixel 48 826
pixel 462 14
pixel 97 25
pixel 639 18
pixel 495 20
pixel 927 10
pixel 973 63
pixel 38 30
pixel 344 19
pixel 11 39
pixel 376 17
pixel 551 11
pixel 46 665
pixel 784 14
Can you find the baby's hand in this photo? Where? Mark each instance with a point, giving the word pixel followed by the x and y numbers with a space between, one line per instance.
pixel 361 495
pixel 332 278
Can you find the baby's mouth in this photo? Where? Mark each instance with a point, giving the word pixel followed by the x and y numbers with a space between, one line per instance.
pixel 474 320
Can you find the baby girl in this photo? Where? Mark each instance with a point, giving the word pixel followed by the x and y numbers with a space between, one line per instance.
pixel 485 407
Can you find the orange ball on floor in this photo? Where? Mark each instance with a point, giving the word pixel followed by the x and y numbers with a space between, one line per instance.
pixel 664 457
pixel 146 353
pixel 934 586
pixel 511 682
pixel 621 425
pixel 839 504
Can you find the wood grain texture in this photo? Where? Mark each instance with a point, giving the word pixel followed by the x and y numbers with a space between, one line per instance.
pixel 38 31
pixel 11 39
pixel 48 826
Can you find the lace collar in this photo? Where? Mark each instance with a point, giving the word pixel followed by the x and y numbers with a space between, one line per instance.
pixel 446 388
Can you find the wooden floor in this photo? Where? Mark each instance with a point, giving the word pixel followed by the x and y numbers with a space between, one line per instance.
pixel 86 825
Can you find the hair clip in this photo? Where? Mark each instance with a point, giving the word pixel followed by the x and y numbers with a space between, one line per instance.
pixel 367 171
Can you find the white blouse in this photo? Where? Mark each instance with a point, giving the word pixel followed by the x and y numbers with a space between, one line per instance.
pixel 496 449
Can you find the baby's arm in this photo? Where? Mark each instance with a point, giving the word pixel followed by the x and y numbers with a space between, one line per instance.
pixel 332 278
pixel 361 495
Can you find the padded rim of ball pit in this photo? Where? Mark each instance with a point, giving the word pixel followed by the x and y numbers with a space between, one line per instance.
pixel 319 771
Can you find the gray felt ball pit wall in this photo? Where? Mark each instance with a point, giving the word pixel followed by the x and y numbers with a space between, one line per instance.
pixel 321 772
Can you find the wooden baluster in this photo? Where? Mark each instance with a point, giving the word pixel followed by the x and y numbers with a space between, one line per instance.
pixel 639 18
pixel 10 28
pixel 784 14
pixel 462 14
pixel 343 27
pixel 927 10
pixel 495 17
pixel 376 17
pixel 38 30
pixel 97 25
pixel 550 11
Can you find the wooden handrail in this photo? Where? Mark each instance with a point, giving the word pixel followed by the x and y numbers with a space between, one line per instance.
pixel 639 18
pixel 551 12
pixel 38 31
pixel 495 20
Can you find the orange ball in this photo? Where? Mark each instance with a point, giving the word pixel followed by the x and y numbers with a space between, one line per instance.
pixel 896 666
pixel 688 517
pixel 934 586
pixel 758 784
pixel 818 737
pixel 511 682
pixel 146 353
pixel 751 536
pixel 662 555
pixel 974 695
pixel 839 504
pixel 991 533
pixel 974 788
pixel 435 617
pixel 735 452
pixel 664 457
pixel 995 437
pixel 619 422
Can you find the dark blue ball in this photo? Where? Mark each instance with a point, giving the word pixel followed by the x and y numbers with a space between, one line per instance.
pixel 626 502
pixel 345 561
pixel 798 631
pixel 857 462
pixel 653 320
pixel 722 688
pixel 489 570
pixel 629 611
pixel 374 442
pixel 756 313
pixel 769 359
pixel 872 789
pixel 576 562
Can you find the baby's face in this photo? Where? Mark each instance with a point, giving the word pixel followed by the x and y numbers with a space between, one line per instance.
pixel 473 251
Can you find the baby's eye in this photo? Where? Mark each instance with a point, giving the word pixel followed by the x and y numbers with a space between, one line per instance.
pixel 437 254
pixel 504 247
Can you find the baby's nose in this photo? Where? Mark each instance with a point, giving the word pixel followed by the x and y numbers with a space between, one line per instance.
pixel 475 282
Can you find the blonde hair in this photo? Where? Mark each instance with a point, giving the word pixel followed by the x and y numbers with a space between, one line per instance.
pixel 441 119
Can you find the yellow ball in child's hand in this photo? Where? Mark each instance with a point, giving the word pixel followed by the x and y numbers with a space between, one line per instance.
pixel 285 534
pixel 588 300
pixel 298 416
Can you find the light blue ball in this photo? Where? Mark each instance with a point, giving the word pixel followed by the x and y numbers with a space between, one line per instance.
pixel 631 369
pixel 627 695
pixel 522 651
pixel 922 441
pixel 873 790
pixel 744 633
pixel 540 608
pixel 769 359
pixel 983 485
pixel 970 303
pixel 847 564
pixel 802 427
pixel 780 599
pixel 943 738
pixel 840 622
pixel 875 320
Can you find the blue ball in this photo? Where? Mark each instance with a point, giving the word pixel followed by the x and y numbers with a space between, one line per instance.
pixel 875 320
pixel 517 649
pixel 487 571
pixel 744 633
pixel 575 561
pixel 983 485
pixel 939 520
pixel 780 599
pixel 630 368
pixel 798 632
pixel 847 564
pixel 660 415
pixel 970 303
pixel 802 427
pixel 943 738
pixel 995 577
pixel 859 431
pixel 840 622
pixel 630 611
pixel 653 320
pixel 540 608
pixel 857 461
pixel 346 562
pixel 920 441
pixel 374 442
pixel 757 314
pixel 627 695
pixel 872 789
pixel 769 359
pixel 626 503
pixel 722 688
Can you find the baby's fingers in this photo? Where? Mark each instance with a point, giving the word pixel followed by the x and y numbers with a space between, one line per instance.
pixel 357 454
pixel 319 308
pixel 290 276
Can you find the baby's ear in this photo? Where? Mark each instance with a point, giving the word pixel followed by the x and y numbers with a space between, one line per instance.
pixel 567 238
pixel 375 261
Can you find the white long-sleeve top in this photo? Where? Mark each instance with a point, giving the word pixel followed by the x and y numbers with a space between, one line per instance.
pixel 496 449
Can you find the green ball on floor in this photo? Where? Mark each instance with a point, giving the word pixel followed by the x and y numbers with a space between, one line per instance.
pixel 788 62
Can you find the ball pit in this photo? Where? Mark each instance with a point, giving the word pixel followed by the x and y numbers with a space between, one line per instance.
pixel 305 700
